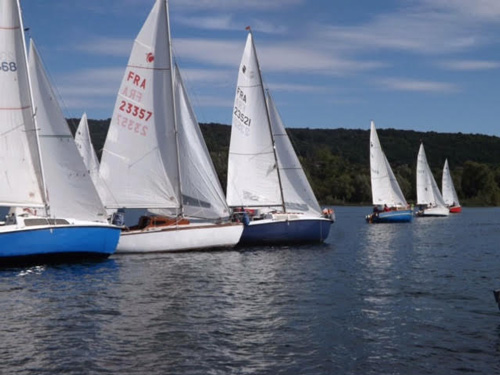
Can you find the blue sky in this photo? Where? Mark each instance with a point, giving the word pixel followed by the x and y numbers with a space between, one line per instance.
pixel 426 65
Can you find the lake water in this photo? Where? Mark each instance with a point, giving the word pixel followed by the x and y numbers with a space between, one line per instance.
pixel 374 299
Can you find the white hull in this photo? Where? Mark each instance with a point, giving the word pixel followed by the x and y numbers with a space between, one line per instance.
pixel 434 211
pixel 180 238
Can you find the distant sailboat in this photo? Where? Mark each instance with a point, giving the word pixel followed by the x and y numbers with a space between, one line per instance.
pixel 450 196
pixel 55 212
pixel 266 185
pixel 155 157
pixel 429 197
pixel 389 202
pixel 89 156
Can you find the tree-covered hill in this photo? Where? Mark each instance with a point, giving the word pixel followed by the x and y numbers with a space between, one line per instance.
pixel 337 160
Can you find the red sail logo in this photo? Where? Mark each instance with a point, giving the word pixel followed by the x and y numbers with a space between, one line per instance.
pixel 150 57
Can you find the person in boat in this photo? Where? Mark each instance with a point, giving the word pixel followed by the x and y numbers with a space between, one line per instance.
pixel 328 213
pixel 386 208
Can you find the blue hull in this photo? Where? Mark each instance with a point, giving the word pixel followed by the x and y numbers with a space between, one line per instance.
pixel 285 232
pixel 57 243
pixel 403 216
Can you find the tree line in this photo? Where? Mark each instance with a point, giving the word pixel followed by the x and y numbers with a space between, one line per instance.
pixel 337 164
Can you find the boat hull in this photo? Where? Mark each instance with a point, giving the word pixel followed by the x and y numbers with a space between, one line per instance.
pixel 434 212
pixel 455 209
pixel 272 232
pixel 180 238
pixel 400 216
pixel 56 243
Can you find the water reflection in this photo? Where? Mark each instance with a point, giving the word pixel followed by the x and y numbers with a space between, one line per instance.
pixel 53 316
pixel 383 265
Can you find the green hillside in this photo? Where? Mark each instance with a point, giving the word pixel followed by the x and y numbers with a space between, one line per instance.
pixel 337 160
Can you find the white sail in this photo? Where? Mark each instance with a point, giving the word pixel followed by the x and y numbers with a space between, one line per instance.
pixel 297 191
pixel 450 196
pixel 201 190
pixel 89 156
pixel 71 192
pixel 139 162
pixel 252 171
pixel 84 145
pixel 20 168
pixel 427 189
pixel 385 187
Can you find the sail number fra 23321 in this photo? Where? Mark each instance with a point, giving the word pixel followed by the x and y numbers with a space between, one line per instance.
pixel 241 116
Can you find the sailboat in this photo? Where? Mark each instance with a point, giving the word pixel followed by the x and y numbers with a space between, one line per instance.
pixel 266 185
pixel 155 157
pixel 429 197
pixel 55 212
pixel 450 196
pixel 389 202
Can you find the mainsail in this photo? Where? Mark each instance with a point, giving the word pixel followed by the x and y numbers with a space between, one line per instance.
pixel 71 190
pixel 252 168
pixel 155 156
pixel 263 169
pixel 450 196
pixel 427 189
pixel 139 160
pixel 20 167
pixel 385 187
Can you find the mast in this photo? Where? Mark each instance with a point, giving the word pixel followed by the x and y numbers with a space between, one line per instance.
pixel 33 112
pixel 268 121
pixel 176 128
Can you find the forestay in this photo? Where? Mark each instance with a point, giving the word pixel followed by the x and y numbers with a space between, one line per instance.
pixel 427 189
pixel 71 190
pixel 20 166
pixel 297 191
pixel 385 187
pixel 252 167
pixel 139 161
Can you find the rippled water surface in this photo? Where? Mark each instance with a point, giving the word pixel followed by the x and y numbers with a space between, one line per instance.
pixel 374 299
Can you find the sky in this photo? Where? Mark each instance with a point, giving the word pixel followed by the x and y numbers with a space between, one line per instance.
pixel 424 65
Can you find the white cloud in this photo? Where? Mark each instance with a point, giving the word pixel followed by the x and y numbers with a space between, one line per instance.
pixel 227 22
pixel 293 87
pixel 90 88
pixel 429 33
pixel 470 65
pixel 277 57
pixel 106 46
pixel 196 5
pixel 488 10
pixel 206 75
pixel 402 84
